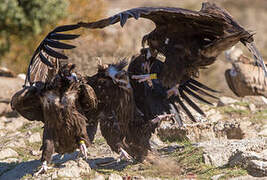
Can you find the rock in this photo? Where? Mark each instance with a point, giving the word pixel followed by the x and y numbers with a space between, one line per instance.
pixel 35 153
pixel 16 143
pixel 14 123
pixel 6 153
pixel 6 72
pixel 248 177
pixel 155 142
pixel 115 177
pixel 10 160
pixel 74 169
pixel 257 168
pixel 246 153
pixel 21 76
pixel 9 86
pixel 252 107
pixel 98 177
pixel 35 138
pixel 225 101
pixel 263 132
pixel 205 131
pixel 5 109
pixel 217 177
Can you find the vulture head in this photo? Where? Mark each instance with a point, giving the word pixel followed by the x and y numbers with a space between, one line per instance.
pixel 65 76
pixel 116 73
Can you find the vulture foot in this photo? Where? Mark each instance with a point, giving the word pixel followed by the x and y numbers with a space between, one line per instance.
pixel 144 77
pixel 159 118
pixel 173 91
pixel 124 155
pixel 43 169
pixel 83 149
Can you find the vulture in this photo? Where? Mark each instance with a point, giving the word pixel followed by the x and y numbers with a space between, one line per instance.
pixel 54 94
pixel 189 40
pixel 126 130
pixel 152 98
pixel 244 78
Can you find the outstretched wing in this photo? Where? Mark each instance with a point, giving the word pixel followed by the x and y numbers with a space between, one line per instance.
pixel 45 59
pixel 159 15
pixel 186 38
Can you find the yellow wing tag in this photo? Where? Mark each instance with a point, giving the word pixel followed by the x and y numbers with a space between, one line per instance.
pixel 153 76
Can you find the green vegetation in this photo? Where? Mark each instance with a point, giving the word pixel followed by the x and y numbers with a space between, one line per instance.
pixel 24 18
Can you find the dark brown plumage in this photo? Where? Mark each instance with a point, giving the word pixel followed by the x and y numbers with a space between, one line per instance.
pixel 188 39
pixel 153 99
pixel 64 106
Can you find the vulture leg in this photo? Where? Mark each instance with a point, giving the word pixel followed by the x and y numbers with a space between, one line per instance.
pixel 144 77
pixel 160 118
pixel 43 169
pixel 124 155
pixel 48 149
pixel 83 149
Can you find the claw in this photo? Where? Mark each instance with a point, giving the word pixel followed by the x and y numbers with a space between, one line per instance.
pixel 83 149
pixel 43 169
pixel 161 117
pixel 173 91
pixel 124 155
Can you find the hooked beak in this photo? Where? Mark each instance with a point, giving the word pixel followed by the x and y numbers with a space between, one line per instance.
pixel 72 77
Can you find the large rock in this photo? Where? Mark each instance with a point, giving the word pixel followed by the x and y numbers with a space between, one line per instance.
pixel 74 169
pixel 9 86
pixel 205 131
pixel 115 177
pixel 36 137
pixel 6 72
pixel 226 101
pixel 6 153
pixel 14 124
pixel 247 153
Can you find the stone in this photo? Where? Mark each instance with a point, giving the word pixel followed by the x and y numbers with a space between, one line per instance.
pixel 248 177
pixel 257 168
pixel 5 108
pixel 98 177
pixel 10 160
pixel 73 169
pixel 6 153
pixel 6 72
pixel 221 152
pixel 16 143
pixel 115 177
pixel 252 107
pixel 263 132
pixel 69 172
pixel 14 124
pixel 226 101
pixel 35 137
pixel 217 177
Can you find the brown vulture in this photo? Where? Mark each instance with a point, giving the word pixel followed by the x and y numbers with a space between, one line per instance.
pixel 189 40
pixel 126 130
pixel 152 98
pixel 58 98
pixel 244 78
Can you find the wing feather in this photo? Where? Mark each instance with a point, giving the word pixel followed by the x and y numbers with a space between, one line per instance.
pixel 45 58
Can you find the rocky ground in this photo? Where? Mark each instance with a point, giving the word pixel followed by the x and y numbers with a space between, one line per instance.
pixel 230 143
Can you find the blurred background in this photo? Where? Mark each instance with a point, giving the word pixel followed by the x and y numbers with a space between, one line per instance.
pixel 24 23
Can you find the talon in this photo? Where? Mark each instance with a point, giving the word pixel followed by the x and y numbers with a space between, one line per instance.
pixel 173 91
pixel 83 149
pixel 161 117
pixel 43 169
pixel 124 155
